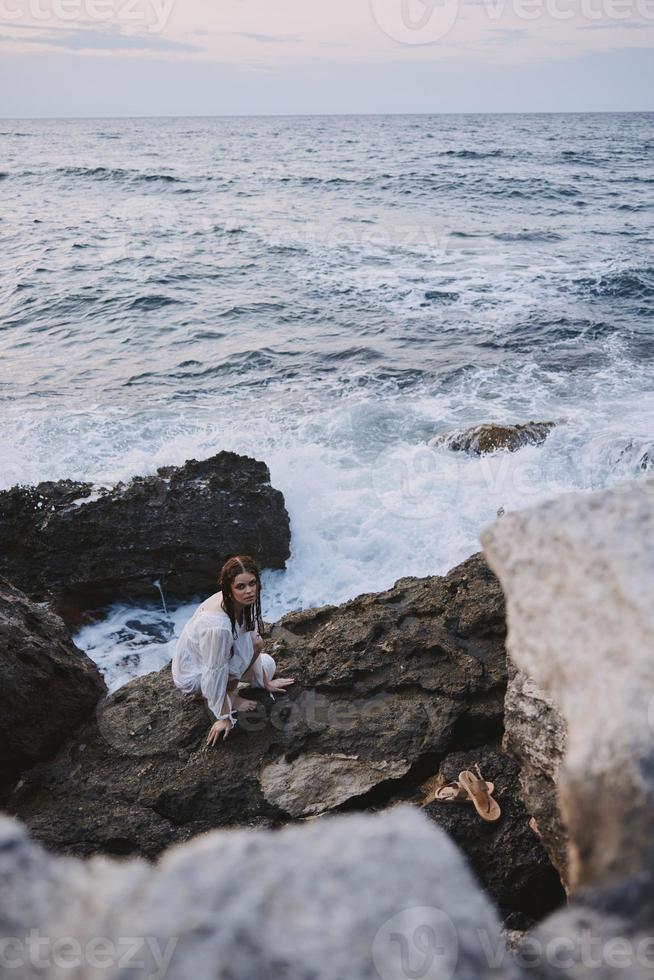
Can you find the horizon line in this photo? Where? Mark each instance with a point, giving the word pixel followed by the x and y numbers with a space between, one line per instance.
pixel 292 115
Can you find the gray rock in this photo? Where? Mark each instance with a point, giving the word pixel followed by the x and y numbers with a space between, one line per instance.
pixel 314 783
pixel 578 573
pixel 357 897
pixel 80 549
pixel 535 734
pixel 583 942
pixel 48 687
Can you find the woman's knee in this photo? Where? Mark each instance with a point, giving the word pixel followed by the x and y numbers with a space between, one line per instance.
pixel 254 677
pixel 268 665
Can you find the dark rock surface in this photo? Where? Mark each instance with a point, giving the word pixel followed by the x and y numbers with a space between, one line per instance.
pixel 387 685
pixel 81 549
pixel 507 855
pixel 492 436
pixel 47 686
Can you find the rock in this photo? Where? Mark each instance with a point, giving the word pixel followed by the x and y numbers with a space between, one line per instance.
pixel 580 942
pixel 578 572
pixel 316 782
pixel 48 686
pixel 387 685
pixel 534 734
pixel 399 674
pixel 579 577
pixel 400 677
pixel 631 457
pixel 623 457
pixel 491 437
pixel 354 897
pixel 81 549
pixel 507 856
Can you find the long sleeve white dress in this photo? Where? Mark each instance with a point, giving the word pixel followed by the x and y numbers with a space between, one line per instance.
pixel 207 656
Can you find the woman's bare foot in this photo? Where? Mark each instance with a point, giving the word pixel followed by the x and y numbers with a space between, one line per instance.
pixel 242 704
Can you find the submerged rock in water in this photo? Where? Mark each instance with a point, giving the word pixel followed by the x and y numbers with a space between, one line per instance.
pixel 357 897
pixel 579 577
pixel 387 685
pixel 491 437
pixel 48 687
pixel 62 541
pixel 633 457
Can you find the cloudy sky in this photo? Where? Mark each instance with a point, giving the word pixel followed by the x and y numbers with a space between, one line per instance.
pixel 197 57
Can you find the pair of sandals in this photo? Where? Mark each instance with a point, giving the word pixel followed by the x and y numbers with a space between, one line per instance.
pixel 470 787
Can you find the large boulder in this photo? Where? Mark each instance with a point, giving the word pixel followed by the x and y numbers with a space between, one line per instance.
pixel 47 688
pixel 493 436
pixel 81 547
pixel 579 577
pixel 387 685
pixel 587 940
pixel 578 573
pixel 352 897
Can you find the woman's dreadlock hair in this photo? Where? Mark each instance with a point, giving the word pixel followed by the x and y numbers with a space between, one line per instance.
pixel 237 565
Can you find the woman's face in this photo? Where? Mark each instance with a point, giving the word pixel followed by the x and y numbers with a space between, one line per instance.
pixel 244 588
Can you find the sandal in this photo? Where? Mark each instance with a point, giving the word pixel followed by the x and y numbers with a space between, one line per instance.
pixel 477 789
pixel 449 793
pixel 437 789
pixel 454 793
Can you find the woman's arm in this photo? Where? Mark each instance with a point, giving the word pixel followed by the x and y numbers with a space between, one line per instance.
pixel 215 649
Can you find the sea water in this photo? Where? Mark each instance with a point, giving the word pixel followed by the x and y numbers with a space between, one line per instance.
pixel 327 294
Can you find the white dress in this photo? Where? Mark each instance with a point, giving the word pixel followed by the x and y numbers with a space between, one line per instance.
pixel 207 657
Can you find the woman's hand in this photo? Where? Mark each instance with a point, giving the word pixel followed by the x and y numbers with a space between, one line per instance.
pixel 217 729
pixel 279 686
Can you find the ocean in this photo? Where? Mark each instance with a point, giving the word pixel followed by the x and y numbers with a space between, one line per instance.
pixel 326 294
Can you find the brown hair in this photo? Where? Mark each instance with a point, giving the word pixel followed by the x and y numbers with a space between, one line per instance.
pixel 237 565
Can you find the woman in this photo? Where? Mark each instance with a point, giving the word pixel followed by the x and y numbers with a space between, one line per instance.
pixel 220 646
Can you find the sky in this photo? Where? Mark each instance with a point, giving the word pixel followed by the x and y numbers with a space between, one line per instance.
pixel 232 57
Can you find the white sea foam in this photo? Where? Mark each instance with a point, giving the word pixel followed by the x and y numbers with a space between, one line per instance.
pixel 369 500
